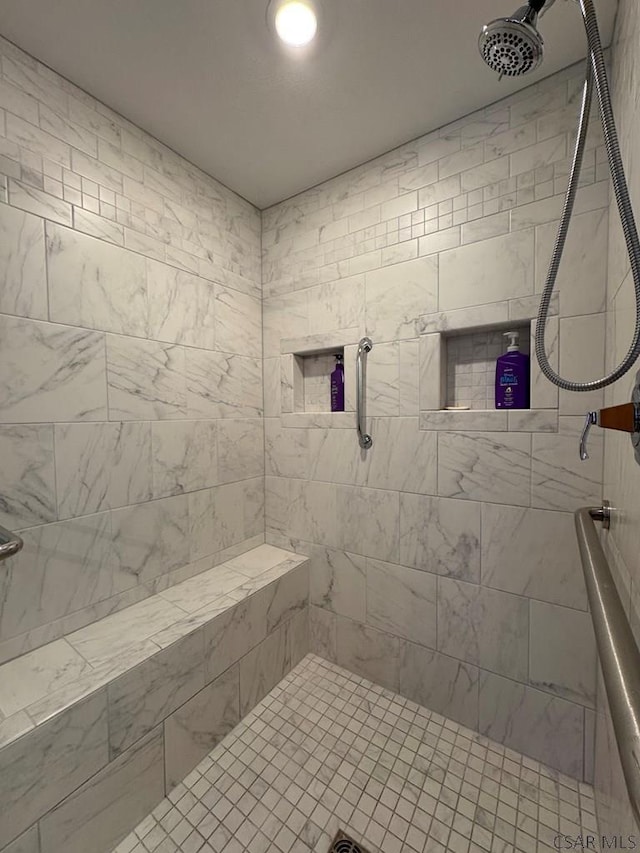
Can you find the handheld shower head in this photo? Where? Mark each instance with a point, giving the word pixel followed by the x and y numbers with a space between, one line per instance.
pixel 513 46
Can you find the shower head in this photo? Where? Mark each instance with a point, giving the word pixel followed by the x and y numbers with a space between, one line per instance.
pixel 513 46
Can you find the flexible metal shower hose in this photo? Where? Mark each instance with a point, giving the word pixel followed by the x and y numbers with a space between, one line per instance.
pixel 596 73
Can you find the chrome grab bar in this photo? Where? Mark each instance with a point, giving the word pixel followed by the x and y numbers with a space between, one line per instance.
pixel 10 543
pixel 365 346
pixel 617 648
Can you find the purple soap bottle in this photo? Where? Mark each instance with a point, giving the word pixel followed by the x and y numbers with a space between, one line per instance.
pixel 512 376
pixel 337 386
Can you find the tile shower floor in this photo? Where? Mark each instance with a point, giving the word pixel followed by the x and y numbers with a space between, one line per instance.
pixel 327 750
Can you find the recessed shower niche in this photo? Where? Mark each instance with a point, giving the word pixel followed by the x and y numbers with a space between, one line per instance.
pixel 458 353
pixel 306 368
pixel 471 365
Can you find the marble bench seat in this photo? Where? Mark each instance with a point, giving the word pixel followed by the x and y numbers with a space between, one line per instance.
pixel 140 696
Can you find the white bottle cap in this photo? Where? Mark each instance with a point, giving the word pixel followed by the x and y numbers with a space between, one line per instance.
pixel 513 341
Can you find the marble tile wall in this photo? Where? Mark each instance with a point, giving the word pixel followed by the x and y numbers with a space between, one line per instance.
pixel 444 561
pixel 621 473
pixel 131 432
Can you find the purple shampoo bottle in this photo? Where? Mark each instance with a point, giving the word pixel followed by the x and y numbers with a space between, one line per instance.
pixel 337 386
pixel 512 376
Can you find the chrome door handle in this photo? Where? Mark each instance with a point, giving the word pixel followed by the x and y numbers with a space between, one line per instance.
pixel 10 543
pixel 365 346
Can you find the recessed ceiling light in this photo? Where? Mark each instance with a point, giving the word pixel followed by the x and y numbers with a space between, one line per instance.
pixel 296 22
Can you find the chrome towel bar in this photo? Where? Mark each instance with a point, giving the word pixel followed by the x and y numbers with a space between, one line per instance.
pixel 10 543
pixel 617 648
pixel 365 346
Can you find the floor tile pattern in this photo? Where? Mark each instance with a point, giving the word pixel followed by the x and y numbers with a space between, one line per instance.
pixel 327 750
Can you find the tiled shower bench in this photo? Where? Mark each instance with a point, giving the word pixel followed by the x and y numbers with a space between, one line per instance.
pixel 97 727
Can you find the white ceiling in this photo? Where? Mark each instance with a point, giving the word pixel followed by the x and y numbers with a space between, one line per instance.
pixel 207 77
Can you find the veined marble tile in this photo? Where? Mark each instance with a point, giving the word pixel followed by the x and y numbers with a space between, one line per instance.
pixel 368 652
pixel 410 378
pixel 286 450
pixel 322 633
pixel 582 348
pixel 152 538
pixel 98 814
pixel 545 395
pixel 465 318
pixel 240 449
pixel 216 519
pixel 112 636
pixel 336 305
pixel 559 479
pixel 91 681
pixel 203 589
pixel 539 558
pixel 402 457
pixel 367 522
pixel 485 466
pixel 30 677
pixel 143 697
pixel 28 842
pixel 62 568
pixel 310 511
pixel 397 295
pixel 146 379
pixel 582 275
pixel 253 501
pixel 74 747
pixel 287 596
pixel 285 316
pixel 14 727
pixel 100 466
pixel 194 729
pixel 338 582
pixel 571 674
pixel 297 636
pixel 382 380
pixel 232 634
pixel 95 284
pixel 539 725
pixel 272 385
pixel 473 420
pixel 402 602
pixel 238 321
pixel 334 456
pixel 495 269
pixel 185 456
pixel 50 373
pixel 259 560
pixel 440 535
pixel 533 420
pixel 433 367
pixel 22 264
pixel 263 668
pixel 181 306
pixel 33 200
pixel 446 685
pixel 223 386
pixel 484 627
pixel 50 631
pixel 292 384
pixel 27 479
pixel 98 226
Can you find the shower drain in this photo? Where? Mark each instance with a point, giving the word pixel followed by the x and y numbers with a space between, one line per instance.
pixel 343 844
